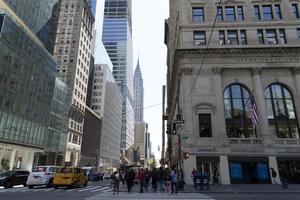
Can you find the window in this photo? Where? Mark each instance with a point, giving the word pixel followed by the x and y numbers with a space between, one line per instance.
pixel 260 36
pixel 267 12
pixel 198 15
pixel 232 37
pixel 230 14
pixel 205 125
pixel 220 14
pixel 257 12
pixel 295 11
pixel 282 36
pixel 243 37
pixel 199 38
pixel 281 111
pixel 240 13
pixel 222 37
pixel 237 113
pixel 298 33
pixel 271 36
pixel 75 139
pixel 278 12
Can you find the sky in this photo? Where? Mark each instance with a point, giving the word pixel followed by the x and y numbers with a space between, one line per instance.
pixel 148 20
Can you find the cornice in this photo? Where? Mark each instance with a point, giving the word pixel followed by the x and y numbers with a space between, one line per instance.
pixel 238 51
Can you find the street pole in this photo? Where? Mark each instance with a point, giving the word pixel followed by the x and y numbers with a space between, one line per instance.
pixel 163 123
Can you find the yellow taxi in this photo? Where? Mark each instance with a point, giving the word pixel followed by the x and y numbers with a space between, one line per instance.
pixel 70 176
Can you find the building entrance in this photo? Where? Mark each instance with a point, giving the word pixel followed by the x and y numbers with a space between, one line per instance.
pixel 251 172
pixel 208 166
pixel 292 167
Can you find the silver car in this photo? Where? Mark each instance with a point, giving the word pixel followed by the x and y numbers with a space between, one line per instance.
pixel 41 175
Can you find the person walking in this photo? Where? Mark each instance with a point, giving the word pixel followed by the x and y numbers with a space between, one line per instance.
pixel 193 176
pixel 141 177
pixel 129 178
pixel 284 176
pixel 274 175
pixel 174 180
pixel 215 176
pixel 167 179
pixel 161 178
pixel 115 180
pixel 154 179
pixel 147 179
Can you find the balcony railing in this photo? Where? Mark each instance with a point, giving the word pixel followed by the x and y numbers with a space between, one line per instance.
pixel 245 140
pixel 285 141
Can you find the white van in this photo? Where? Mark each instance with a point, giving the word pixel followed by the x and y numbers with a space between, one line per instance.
pixel 41 175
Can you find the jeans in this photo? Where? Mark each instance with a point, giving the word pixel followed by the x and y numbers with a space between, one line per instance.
pixel 173 187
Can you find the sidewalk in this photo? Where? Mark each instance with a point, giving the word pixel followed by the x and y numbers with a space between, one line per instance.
pixel 244 188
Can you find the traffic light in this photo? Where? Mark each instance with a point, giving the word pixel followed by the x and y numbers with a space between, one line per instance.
pixel 168 129
pixel 185 155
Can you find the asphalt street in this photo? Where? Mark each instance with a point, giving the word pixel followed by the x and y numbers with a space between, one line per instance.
pixel 102 191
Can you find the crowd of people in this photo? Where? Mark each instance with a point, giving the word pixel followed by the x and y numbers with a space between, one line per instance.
pixel 162 179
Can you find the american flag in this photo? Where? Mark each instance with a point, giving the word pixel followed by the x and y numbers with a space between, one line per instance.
pixel 253 110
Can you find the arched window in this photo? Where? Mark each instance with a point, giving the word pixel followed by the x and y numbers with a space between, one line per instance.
pixel 237 115
pixel 281 111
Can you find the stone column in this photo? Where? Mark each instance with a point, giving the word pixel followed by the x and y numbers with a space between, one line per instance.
pixel 224 170
pixel 12 159
pixel 296 72
pixel 188 166
pixel 221 123
pixel 273 164
pixel 263 126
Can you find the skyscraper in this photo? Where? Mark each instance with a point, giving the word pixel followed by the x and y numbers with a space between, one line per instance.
pixel 92 4
pixel 138 94
pixel 117 39
pixel 72 51
pixel 27 78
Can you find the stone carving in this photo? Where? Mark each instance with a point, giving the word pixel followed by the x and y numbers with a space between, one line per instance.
pixel 217 70
pixel 296 70
pixel 256 71
pixel 186 71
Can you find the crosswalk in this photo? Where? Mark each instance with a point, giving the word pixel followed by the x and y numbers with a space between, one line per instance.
pixel 90 189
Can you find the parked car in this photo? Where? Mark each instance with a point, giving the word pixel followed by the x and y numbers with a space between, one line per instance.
pixel 11 178
pixel 91 173
pixel 70 176
pixel 41 175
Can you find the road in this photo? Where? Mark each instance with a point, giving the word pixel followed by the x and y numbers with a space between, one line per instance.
pixel 102 191
pixel 94 191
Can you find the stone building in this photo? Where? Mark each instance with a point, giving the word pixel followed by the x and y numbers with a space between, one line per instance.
pixel 72 51
pixel 219 54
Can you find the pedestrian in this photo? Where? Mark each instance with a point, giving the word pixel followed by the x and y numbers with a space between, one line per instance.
pixel 274 175
pixel 215 176
pixel 167 179
pixel 193 176
pixel 181 183
pixel 141 177
pixel 161 178
pixel 147 179
pixel 128 179
pixel 174 180
pixel 284 176
pixel 154 179
pixel 115 180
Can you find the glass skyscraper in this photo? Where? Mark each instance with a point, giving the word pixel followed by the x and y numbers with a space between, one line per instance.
pixel 27 78
pixel 40 16
pixel 117 39
pixel 92 4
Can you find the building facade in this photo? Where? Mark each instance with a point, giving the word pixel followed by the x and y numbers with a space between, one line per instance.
pixel 91 139
pixel 58 128
pixel 106 101
pixel 222 55
pixel 73 51
pixel 140 142
pixel 117 40
pixel 27 78
pixel 138 84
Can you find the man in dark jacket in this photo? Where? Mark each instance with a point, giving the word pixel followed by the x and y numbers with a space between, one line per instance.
pixel 141 177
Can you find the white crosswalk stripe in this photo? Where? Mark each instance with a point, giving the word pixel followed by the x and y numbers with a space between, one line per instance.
pixel 101 189
pixel 90 188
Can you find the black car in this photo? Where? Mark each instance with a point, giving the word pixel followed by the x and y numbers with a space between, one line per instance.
pixel 10 178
